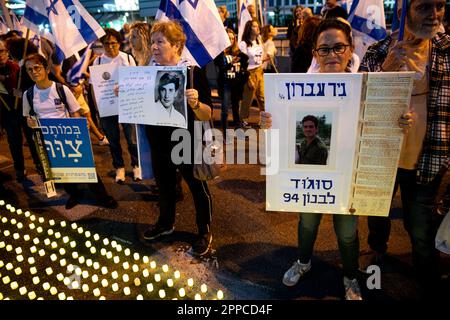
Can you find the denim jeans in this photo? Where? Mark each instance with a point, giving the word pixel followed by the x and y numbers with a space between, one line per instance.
pixel 110 126
pixel 417 201
pixel 346 229
pixel 229 98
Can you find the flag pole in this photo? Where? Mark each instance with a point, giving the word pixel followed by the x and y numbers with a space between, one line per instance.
pixel 402 20
pixel 7 15
pixel 19 82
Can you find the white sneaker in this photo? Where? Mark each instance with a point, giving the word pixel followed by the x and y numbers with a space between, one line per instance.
pixel 137 176
pixel 103 142
pixel 295 272
pixel 120 175
pixel 352 290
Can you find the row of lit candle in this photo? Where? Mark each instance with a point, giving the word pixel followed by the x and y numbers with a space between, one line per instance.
pixel 92 249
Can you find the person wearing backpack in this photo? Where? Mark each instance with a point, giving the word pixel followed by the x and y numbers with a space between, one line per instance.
pixel 111 43
pixel 47 99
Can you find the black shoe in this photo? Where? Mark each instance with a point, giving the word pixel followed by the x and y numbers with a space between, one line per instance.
pixel 156 231
pixel 72 202
pixel 203 244
pixel 109 203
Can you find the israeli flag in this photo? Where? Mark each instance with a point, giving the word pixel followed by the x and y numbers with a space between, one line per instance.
pixel 77 73
pixel 206 35
pixel 368 23
pixel 16 24
pixel 66 23
pixel 243 17
pixel 3 27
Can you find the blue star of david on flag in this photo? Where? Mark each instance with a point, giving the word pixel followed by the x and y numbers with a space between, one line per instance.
pixel 192 2
pixel 52 8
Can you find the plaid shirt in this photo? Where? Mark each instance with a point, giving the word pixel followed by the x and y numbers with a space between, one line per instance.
pixel 435 150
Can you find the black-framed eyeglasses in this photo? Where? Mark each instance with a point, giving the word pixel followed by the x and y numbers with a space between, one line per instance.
pixel 338 49
pixel 35 68
pixel 3 51
pixel 112 43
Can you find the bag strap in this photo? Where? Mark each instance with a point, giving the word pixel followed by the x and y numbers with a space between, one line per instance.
pixel 62 94
pixel 30 95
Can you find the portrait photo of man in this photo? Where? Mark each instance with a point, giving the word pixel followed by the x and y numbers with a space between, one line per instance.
pixel 311 150
pixel 169 91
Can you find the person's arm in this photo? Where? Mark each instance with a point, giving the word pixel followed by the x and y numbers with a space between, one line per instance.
pixel 73 105
pixel 57 72
pixel 201 110
pixel 31 120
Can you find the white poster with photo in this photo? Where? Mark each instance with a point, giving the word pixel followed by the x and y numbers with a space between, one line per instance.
pixel 153 96
pixel 316 116
pixel 104 78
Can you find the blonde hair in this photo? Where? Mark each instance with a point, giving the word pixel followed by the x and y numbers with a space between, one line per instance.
pixel 172 31
pixel 143 30
pixel 224 9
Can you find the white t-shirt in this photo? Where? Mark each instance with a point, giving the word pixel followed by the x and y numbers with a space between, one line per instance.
pixel 168 117
pixel 48 104
pixel 269 50
pixel 254 53
pixel 122 59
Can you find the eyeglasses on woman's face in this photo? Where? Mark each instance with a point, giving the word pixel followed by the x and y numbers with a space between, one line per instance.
pixel 337 49
pixel 35 68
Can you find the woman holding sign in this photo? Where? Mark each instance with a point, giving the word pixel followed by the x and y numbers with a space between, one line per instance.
pixel 110 124
pixel 167 43
pixel 333 49
pixel 46 100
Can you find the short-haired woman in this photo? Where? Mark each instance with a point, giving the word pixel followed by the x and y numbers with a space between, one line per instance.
pixel 46 103
pixel 168 40
pixel 111 42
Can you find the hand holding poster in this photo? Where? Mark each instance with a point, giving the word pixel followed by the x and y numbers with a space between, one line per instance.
pixel 343 141
pixel 104 78
pixel 153 96
pixel 69 149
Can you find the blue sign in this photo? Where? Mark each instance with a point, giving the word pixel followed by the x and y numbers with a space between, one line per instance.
pixel 144 152
pixel 69 149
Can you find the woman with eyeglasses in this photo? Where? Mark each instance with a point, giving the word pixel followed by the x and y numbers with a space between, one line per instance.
pixel 333 49
pixel 43 100
pixel 112 55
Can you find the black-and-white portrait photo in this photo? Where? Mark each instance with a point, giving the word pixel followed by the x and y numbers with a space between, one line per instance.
pixel 169 98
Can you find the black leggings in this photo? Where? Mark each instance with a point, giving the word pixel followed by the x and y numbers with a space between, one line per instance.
pixel 166 180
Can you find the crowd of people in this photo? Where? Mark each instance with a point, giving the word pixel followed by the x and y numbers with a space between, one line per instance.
pixel 318 44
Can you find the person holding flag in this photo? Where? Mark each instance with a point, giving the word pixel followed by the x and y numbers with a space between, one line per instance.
pixel 45 100
pixel 418 46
